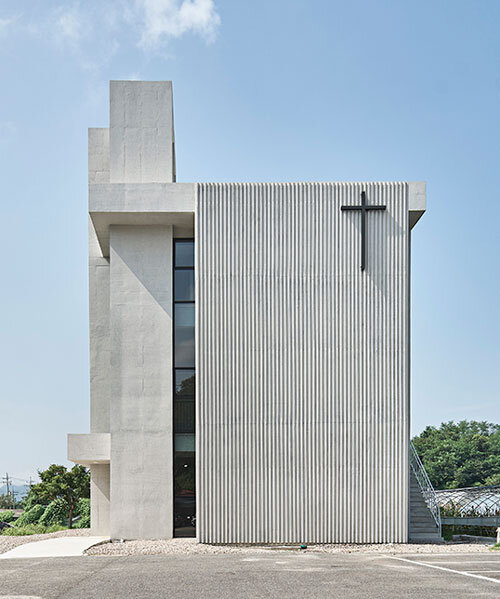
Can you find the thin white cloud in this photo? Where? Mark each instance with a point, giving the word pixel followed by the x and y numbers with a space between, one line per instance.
pixel 7 131
pixel 93 32
pixel 6 22
pixel 69 25
pixel 164 19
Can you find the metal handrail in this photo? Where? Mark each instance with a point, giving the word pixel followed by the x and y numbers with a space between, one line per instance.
pixel 425 485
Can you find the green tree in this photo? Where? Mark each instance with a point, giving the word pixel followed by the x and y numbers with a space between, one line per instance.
pixel 5 502
pixel 462 454
pixel 67 485
pixel 32 499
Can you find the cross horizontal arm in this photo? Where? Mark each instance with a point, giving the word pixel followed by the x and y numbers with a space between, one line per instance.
pixel 351 207
pixel 381 207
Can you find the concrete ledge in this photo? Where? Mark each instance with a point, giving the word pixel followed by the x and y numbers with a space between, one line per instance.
pixel 91 448
pixel 416 201
pixel 140 204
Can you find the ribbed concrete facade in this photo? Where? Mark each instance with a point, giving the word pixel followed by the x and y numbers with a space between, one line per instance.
pixel 302 364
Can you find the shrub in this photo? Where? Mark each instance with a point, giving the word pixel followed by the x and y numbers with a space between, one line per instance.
pixel 28 529
pixel 31 516
pixel 83 510
pixel 56 512
pixel 31 500
pixel 6 516
pixel 31 529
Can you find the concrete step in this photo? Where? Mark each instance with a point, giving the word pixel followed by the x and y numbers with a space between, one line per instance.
pixel 421 520
pixel 422 527
pixel 420 514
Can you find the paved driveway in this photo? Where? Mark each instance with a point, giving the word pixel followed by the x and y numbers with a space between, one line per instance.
pixel 278 574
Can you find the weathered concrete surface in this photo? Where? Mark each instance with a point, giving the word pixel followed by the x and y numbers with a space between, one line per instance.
pixel 98 155
pixel 141 403
pixel 100 499
pixel 62 547
pixel 141 132
pixel 302 364
pixel 416 201
pixel 100 367
pixel 140 204
pixel 89 448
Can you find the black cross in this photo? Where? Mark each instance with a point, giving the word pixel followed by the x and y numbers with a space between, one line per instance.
pixel 364 209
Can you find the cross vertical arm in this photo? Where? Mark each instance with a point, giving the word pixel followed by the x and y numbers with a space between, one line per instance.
pixel 363 209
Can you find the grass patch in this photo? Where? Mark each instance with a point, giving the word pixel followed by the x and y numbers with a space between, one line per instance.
pixel 31 529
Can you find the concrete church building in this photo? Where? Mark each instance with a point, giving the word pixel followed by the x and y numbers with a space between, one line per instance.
pixel 289 304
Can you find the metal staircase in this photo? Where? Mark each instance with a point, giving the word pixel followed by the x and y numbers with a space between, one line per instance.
pixel 425 516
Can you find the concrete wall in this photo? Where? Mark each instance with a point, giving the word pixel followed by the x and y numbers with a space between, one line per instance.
pixel 100 499
pixel 130 310
pixel 141 378
pixel 302 364
pixel 141 132
pixel 98 162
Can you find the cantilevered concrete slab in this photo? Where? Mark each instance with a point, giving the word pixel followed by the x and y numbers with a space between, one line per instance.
pixel 140 204
pixel 87 449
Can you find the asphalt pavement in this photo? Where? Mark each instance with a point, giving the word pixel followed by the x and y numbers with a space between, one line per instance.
pixel 281 574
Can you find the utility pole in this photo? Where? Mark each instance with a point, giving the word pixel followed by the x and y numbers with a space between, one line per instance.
pixel 6 481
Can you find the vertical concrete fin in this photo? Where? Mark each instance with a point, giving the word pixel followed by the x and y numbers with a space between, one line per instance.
pixel 98 145
pixel 98 335
pixel 141 132
pixel 99 498
pixel 141 379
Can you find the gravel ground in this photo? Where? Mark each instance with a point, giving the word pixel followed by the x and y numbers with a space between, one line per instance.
pixel 8 543
pixel 189 546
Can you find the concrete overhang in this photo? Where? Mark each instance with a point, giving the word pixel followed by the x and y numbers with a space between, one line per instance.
pixel 91 448
pixel 416 201
pixel 140 204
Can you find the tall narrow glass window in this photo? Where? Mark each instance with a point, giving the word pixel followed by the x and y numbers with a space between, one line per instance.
pixel 184 390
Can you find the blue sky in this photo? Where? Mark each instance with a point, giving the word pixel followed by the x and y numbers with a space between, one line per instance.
pixel 264 91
